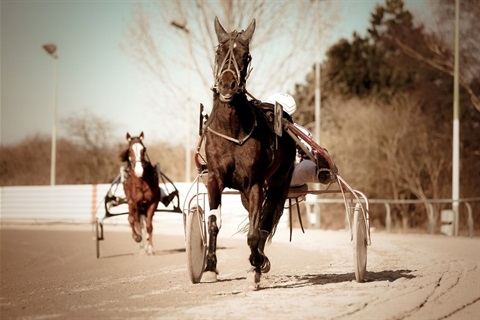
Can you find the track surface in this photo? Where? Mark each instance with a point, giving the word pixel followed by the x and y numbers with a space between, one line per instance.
pixel 50 271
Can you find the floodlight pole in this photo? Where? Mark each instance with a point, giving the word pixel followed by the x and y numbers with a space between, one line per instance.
pixel 456 124
pixel 317 96
pixel 188 156
pixel 317 78
pixel 51 49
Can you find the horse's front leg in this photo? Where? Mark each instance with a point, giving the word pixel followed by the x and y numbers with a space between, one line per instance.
pixel 214 224
pixel 256 238
pixel 150 212
pixel 134 221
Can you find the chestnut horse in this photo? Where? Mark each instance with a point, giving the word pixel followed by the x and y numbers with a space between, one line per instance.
pixel 243 153
pixel 141 188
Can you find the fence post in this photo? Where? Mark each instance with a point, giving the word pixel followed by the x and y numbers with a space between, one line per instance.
pixel 94 203
pixel 431 220
pixel 470 219
pixel 388 218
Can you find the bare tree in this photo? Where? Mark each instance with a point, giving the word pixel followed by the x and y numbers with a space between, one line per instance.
pixel 88 130
pixel 415 158
pixel 94 152
pixel 440 44
pixel 175 42
pixel 389 151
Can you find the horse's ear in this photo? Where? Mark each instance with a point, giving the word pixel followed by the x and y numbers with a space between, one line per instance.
pixel 141 136
pixel 128 137
pixel 247 34
pixel 222 35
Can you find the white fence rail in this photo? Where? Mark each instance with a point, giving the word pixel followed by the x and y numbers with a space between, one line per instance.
pixel 77 203
pixel 69 203
pixel 82 203
pixel 467 214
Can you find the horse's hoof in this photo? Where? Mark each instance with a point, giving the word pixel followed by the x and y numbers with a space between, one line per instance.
pixel 258 275
pixel 150 250
pixel 209 276
pixel 254 277
pixel 137 238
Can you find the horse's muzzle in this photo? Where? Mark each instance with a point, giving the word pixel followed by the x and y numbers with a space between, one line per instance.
pixel 138 169
pixel 227 86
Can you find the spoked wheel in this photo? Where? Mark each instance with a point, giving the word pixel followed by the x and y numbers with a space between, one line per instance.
pixel 359 233
pixel 196 248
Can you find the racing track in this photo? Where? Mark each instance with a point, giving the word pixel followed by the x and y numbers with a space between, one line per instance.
pixel 50 271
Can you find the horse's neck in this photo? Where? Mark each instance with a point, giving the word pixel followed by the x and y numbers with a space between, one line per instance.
pixel 147 174
pixel 233 117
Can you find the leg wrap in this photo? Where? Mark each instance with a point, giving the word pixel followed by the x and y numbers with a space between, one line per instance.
pixel 217 213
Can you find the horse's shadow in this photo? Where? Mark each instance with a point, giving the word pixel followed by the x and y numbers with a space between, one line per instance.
pixel 156 253
pixel 298 281
pixel 117 255
pixel 169 251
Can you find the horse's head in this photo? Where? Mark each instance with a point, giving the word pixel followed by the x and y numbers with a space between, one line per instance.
pixel 231 60
pixel 135 155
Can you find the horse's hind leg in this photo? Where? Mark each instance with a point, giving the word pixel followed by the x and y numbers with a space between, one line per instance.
pixel 262 225
pixel 271 214
pixel 150 212
pixel 256 237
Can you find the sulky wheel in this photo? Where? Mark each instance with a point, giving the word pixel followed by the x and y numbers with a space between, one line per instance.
pixel 196 248
pixel 359 242
pixel 98 235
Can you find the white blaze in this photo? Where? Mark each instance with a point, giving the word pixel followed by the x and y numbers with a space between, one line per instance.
pixel 137 151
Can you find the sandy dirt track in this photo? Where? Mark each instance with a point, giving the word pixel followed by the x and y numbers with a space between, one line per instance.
pixel 50 271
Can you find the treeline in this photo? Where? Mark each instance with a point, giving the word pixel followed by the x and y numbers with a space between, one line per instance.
pixel 88 156
pixel 387 111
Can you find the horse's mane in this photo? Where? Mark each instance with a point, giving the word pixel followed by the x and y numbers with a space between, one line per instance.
pixel 124 155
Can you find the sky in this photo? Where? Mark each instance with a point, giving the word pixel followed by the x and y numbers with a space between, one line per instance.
pixel 94 74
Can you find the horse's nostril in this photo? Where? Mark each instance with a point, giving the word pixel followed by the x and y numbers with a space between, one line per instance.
pixel 232 86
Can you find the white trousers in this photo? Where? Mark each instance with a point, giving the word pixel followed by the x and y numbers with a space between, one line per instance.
pixel 304 172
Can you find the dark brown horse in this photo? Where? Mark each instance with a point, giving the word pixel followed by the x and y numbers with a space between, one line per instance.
pixel 242 153
pixel 141 188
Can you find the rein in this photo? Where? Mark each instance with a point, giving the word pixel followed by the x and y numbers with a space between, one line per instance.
pixel 234 140
pixel 237 141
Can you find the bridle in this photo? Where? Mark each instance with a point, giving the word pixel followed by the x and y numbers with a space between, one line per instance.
pixel 230 64
pixel 133 162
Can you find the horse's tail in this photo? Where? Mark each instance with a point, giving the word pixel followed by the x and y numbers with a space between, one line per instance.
pixel 275 198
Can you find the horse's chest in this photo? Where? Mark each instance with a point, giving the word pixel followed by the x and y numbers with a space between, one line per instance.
pixel 230 154
pixel 140 191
